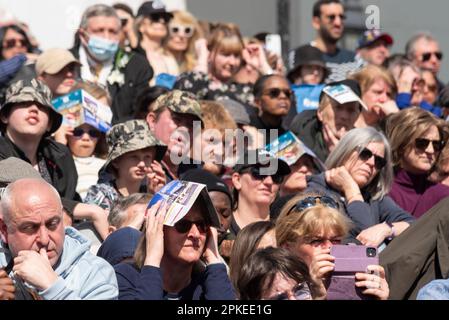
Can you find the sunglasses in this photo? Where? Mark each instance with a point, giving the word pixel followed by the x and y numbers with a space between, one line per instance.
pixel 310 202
pixel 184 226
pixel 12 43
pixel 78 132
pixel 332 17
pixel 158 17
pixel 256 174
pixel 186 31
pixel 366 154
pixel 274 93
pixel 422 144
pixel 426 56
pixel 301 292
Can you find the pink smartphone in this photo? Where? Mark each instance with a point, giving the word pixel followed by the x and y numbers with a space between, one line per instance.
pixel 350 259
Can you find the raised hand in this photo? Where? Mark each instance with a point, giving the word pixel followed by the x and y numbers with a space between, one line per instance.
pixel 154 233
pixel 156 177
pixel 374 281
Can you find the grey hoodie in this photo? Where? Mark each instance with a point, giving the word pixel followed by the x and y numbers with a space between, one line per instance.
pixel 82 275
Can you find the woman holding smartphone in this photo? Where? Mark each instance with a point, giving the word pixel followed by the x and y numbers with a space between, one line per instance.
pixel 309 224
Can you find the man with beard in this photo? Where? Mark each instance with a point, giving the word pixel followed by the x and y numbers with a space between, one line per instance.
pixel 322 129
pixel 328 21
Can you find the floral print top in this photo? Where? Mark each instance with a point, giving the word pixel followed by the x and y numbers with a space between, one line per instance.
pixel 200 84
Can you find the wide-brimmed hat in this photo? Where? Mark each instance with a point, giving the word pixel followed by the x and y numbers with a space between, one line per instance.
pixel 305 55
pixel 180 102
pixel 31 90
pixel 53 60
pixel 130 136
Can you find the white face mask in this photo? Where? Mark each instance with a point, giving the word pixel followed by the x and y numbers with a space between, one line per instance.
pixel 102 49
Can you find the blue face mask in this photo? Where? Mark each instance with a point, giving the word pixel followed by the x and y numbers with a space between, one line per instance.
pixel 102 49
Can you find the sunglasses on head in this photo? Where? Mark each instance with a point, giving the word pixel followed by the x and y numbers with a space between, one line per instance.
pixel 366 154
pixel 184 226
pixel 157 17
pixel 256 174
pixel 12 43
pixel 78 132
pixel 301 292
pixel 422 144
pixel 426 56
pixel 332 17
pixel 186 31
pixel 310 202
pixel 274 93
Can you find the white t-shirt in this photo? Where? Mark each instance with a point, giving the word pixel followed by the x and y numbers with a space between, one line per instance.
pixel 87 169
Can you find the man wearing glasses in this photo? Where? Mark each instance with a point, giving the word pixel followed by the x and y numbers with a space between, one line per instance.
pixel 424 51
pixel 328 20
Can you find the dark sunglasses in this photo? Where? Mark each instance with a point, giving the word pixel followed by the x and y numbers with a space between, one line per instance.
pixel 184 226
pixel 256 174
pixel 186 31
pixel 422 144
pixel 274 93
pixel 78 132
pixel 366 154
pixel 157 17
pixel 426 56
pixel 11 43
pixel 332 17
pixel 310 202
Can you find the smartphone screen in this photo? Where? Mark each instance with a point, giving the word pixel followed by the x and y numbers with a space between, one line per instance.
pixel 273 43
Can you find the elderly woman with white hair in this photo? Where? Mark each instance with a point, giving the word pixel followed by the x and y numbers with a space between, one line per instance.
pixel 359 172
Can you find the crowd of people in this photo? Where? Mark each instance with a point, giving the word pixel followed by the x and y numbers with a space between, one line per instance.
pixel 194 100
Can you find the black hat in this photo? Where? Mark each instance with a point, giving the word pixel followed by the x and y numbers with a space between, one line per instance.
pixel 153 7
pixel 212 182
pixel 262 158
pixel 305 55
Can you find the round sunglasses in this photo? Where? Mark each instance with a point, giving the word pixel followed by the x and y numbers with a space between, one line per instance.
pixel 180 30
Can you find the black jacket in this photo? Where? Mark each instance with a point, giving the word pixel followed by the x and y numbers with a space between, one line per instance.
pixel 138 74
pixel 60 165
pixel 308 129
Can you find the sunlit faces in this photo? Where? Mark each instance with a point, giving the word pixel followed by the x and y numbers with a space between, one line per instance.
pixel 180 35
pixel 421 161
pixel 186 247
pixel 279 104
pixel 62 82
pixel 305 248
pixel 312 74
pixel 84 140
pixel 224 62
pixel 331 22
pixel 153 29
pixel 430 87
pixel 36 222
pixel 296 180
pixel 27 119
pixel 134 165
pixel 13 44
pixel 364 171
pixel 338 116
pixel 423 48
pixel 104 27
pixel 376 53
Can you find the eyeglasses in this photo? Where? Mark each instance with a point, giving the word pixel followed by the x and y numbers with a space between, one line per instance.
pixel 184 226
pixel 301 292
pixel 12 43
pixel 274 93
pixel 310 202
pixel 78 133
pixel 160 17
pixel 426 56
pixel 422 144
pixel 185 31
pixel 366 154
pixel 256 174
pixel 332 17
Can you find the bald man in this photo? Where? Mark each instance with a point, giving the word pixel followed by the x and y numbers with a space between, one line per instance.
pixel 42 259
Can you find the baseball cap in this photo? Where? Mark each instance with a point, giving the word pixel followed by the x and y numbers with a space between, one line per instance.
pixel 153 7
pixel 53 60
pixel 371 36
pixel 344 91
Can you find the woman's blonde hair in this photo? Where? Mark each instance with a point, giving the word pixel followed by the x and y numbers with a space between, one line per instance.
pixel 216 116
pixel 189 57
pixel 404 127
pixel 370 74
pixel 225 38
pixel 293 226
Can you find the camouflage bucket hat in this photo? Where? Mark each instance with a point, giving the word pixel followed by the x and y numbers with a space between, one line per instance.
pixel 130 136
pixel 32 90
pixel 180 102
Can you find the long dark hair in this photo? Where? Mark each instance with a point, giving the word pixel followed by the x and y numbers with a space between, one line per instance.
pixel 17 29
